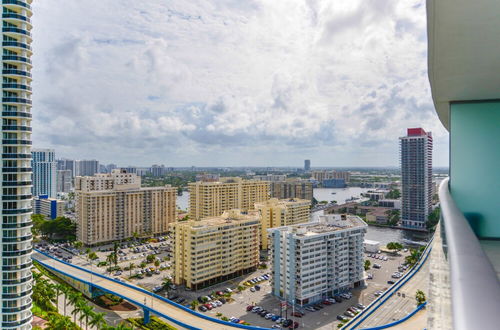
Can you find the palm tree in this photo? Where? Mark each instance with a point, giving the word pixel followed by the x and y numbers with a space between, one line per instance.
pixel 167 284
pixel 115 253
pixel 97 320
pixel 57 322
pixel 85 312
pixel 75 298
pixel 58 288
pixel 131 266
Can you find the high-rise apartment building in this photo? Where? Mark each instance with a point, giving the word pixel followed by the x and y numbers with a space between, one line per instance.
pixel 86 167
pixel 209 199
pixel 307 165
pixel 278 213
pixel 292 188
pixel 313 261
pixel 416 177
pixel 44 166
pixel 16 166
pixel 67 164
pixel 114 206
pixel 63 181
pixel 215 249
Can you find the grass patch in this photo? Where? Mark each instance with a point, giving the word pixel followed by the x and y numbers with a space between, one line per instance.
pixel 154 324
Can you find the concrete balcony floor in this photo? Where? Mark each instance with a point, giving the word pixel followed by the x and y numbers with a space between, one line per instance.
pixel 492 250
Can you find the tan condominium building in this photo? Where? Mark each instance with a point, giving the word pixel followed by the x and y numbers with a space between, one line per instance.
pixel 277 213
pixel 326 175
pixel 209 199
pixel 114 206
pixel 292 188
pixel 215 249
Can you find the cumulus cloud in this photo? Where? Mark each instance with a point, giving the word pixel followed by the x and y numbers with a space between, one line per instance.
pixel 248 82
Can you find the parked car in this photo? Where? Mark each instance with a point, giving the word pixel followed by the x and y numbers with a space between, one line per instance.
pixel 202 308
pixel 377 266
pixel 297 314
pixel 257 287
pixel 252 289
pixel 390 282
pixel 294 325
pixel 359 305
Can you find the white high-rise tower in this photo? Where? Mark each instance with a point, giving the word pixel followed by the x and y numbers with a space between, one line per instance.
pixel 16 165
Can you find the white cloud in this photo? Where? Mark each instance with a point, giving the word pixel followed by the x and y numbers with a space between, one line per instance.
pixel 150 82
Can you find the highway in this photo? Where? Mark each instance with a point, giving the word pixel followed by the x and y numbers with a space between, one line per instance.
pixel 135 296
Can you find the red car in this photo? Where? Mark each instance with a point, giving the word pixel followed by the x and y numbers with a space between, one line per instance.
pixel 326 302
pixel 295 325
pixel 208 306
pixel 220 293
pixel 297 314
pixel 250 307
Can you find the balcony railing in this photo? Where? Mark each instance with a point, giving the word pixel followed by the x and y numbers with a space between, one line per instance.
pixel 475 289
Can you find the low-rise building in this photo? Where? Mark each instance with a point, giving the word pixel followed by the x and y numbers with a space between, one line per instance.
pixel 270 177
pixel 114 206
pixel 215 249
pixel 315 260
pixel 51 208
pixel 379 215
pixel 391 203
pixel 371 246
pixel 284 212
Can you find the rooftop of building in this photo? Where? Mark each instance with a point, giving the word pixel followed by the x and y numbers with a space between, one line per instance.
pixel 287 201
pixel 228 217
pixel 326 224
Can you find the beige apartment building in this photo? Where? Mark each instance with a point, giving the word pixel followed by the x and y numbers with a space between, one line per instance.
pixel 325 175
pixel 292 188
pixel 215 249
pixel 277 213
pixel 114 206
pixel 209 199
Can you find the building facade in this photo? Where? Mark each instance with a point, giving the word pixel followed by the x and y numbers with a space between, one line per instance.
pixel 270 177
pixel 307 165
pixel 16 166
pixel 326 175
pixel 86 167
pixel 114 206
pixel 292 188
pixel 313 261
pixel 209 199
pixel 416 177
pixel 43 163
pixel 278 213
pixel 215 249
pixel 51 208
pixel 63 181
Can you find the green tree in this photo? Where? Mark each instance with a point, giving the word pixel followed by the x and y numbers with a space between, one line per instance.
pixel 97 320
pixel 167 284
pixel 130 267
pixel 58 322
pixel 367 264
pixel 394 217
pixel 420 297
pixel 157 263
pixel 393 194
pixel 86 312
pixel 93 256
pixel 433 219
pixel 394 246
pixel 194 303
pixel 150 258
pixel 74 300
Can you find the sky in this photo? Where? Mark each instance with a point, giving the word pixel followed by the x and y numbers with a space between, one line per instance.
pixel 231 82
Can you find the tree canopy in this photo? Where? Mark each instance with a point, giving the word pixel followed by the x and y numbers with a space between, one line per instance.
pixel 59 228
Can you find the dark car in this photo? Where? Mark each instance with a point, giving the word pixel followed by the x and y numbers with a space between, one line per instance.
pixel 287 323
pixel 297 314
pixel 202 308
pixel 222 300
pixel 200 299
pixel 390 282
pixel 294 325
pixel 250 307
pixel 257 287
pixel 337 299
pixel 263 313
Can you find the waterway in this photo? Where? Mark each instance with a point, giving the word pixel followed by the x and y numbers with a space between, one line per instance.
pixel 340 195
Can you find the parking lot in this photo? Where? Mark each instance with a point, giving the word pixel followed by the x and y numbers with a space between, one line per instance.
pixel 323 317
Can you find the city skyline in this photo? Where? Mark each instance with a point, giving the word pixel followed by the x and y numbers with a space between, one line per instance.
pixel 294 86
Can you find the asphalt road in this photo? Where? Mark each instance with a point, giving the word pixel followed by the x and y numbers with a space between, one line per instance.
pixel 397 307
pixel 134 296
